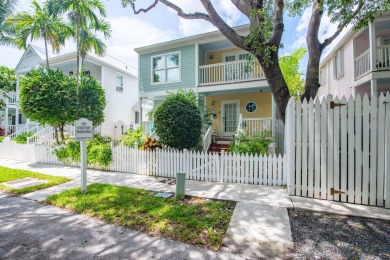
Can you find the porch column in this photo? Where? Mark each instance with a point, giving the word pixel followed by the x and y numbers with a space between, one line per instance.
pixel 372 39
pixel 374 88
pixel 17 103
pixel 6 120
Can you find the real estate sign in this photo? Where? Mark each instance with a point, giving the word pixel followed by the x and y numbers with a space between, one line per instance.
pixel 83 129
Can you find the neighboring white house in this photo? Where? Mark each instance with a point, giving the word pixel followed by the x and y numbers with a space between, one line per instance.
pixel 118 79
pixel 359 63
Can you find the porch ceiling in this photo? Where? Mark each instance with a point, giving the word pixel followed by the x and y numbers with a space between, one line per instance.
pixel 237 91
pixel 212 46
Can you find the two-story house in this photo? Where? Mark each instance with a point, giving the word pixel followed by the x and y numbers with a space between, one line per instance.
pixel 359 63
pixel 217 71
pixel 118 80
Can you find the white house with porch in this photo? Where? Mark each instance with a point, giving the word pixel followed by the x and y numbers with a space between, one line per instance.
pixel 359 63
pixel 118 80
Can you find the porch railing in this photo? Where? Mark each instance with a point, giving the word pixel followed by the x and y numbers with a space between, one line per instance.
pixel 229 72
pixel 11 100
pixel 253 126
pixel 10 130
pixel 207 139
pixel 362 64
pixel 27 128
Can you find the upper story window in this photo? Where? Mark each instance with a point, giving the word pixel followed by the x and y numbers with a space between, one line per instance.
pixel 322 76
pixel 338 65
pixel 166 68
pixel 119 82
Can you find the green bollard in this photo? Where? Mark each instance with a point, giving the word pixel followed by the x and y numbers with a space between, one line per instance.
pixel 180 185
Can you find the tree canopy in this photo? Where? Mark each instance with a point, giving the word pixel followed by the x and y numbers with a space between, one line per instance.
pixel 7 82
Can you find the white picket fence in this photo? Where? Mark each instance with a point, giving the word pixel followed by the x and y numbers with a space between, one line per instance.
pixel 339 149
pixel 229 168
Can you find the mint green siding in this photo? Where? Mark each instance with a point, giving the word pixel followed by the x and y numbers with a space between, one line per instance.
pixel 187 66
pixel 201 56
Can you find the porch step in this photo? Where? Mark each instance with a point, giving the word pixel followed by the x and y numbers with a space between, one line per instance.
pixel 224 141
pixel 217 148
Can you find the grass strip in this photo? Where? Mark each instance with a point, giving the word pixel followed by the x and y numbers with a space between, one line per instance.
pixel 9 174
pixel 196 221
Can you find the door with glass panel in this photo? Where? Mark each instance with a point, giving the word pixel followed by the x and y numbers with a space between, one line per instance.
pixel 230 113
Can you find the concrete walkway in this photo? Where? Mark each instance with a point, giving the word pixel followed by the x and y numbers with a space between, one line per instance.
pixel 260 225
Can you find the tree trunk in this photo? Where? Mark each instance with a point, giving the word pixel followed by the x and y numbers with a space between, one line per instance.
pixel 315 50
pixel 56 135
pixel 62 132
pixel 277 85
pixel 46 51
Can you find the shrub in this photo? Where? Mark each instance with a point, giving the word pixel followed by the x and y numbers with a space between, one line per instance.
pixel 150 144
pixel 98 151
pixel 22 138
pixel 257 144
pixel 132 136
pixel 1 138
pixel 178 121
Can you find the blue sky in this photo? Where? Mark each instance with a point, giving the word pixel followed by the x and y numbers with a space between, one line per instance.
pixel 162 24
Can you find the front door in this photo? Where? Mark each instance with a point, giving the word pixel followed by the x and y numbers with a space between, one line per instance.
pixel 230 115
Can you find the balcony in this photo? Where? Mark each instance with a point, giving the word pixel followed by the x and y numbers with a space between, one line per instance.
pixel 11 100
pixel 362 63
pixel 229 72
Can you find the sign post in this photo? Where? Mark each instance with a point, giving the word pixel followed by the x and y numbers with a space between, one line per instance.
pixel 83 133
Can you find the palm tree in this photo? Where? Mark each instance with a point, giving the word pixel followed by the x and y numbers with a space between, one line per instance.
pixel 39 24
pixel 82 14
pixel 6 8
pixel 89 39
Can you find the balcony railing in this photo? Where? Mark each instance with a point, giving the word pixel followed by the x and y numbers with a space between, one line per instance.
pixel 228 72
pixel 11 100
pixel 362 63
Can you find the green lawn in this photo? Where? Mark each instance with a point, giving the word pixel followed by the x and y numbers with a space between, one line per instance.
pixel 8 174
pixel 196 221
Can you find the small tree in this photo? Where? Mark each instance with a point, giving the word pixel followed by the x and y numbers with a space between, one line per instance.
pixel 49 97
pixel 7 82
pixel 178 121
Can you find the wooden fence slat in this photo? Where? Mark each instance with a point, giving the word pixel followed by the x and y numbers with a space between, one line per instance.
pixel 343 142
pixel 330 140
pixel 381 150
pixel 351 150
pixel 387 153
pixel 358 149
pixel 373 149
pixel 366 151
pixel 311 150
pixel 317 147
pixel 298 164
pixel 336 149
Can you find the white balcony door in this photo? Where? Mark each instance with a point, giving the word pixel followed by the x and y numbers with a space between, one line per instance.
pixel 230 114
pixel 235 71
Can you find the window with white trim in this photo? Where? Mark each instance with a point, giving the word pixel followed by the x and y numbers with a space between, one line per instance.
pixel 119 82
pixel 338 65
pixel 136 117
pixel 322 76
pixel 166 68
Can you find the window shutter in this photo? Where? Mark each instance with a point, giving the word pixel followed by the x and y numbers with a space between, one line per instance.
pixel 136 117
pixel 341 61
pixel 335 67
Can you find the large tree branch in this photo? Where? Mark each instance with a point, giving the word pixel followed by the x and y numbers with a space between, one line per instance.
pixel 182 14
pixel 243 5
pixel 278 26
pixel 223 27
pixel 143 10
pixel 341 27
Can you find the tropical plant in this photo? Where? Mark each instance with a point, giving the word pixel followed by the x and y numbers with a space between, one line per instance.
pixel 133 136
pixel 257 144
pixel 7 82
pixel 40 23
pixel 81 13
pixel 178 121
pixel 7 7
pixel 289 64
pixel 150 144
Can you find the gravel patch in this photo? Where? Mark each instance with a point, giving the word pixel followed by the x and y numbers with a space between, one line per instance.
pixel 326 236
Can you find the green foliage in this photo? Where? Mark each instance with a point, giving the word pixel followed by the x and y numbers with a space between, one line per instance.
pixel 98 151
pixel 1 139
pixel 257 144
pixel 22 138
pixel 7 82
pixel 92 100
pixel 150 144
pixel 289 64
pixel 178 121
pixel 48 97
pixel 132 136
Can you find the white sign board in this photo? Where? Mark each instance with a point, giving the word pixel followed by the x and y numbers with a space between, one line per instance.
pixel 83 129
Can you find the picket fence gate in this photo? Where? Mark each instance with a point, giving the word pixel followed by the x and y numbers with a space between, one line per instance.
pixel 339 149
pixel 227 167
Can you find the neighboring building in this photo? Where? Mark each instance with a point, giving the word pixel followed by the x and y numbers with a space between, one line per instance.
pixel 217 71
pixel 118 80
pixel 359 63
